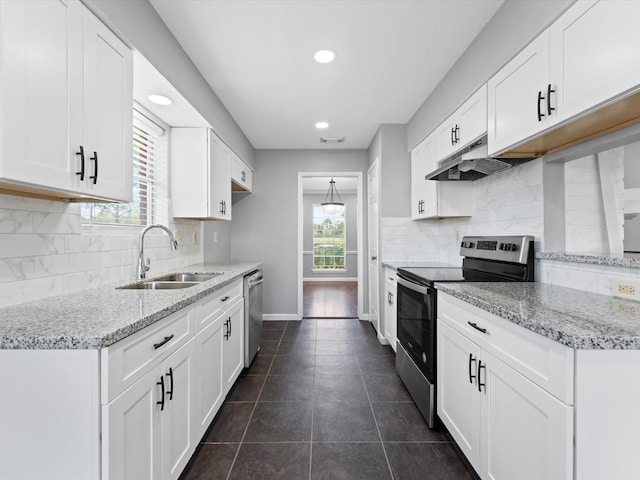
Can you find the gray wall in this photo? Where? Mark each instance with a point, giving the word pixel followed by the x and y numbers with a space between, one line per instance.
pixel 390 145
pixel 351 229
pixel 138 24
pixel 513 26
pixel 265 223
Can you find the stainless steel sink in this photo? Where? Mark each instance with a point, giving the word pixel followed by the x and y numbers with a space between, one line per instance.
pixel 160 285
pixel 188 277
pixel 173 281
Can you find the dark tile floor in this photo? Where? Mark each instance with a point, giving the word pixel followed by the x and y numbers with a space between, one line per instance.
pixel 322 401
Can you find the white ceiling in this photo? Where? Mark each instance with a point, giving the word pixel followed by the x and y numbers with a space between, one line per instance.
pixel 257 55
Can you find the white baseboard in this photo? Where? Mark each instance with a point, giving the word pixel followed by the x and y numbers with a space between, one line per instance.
pixel 365 316
pixel 325 279
pixel 269 317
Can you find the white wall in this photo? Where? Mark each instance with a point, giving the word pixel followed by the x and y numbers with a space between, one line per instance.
pixel 44 251
pixel 265 223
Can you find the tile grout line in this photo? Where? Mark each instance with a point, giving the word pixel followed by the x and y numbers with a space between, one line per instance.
pixel 313 398
pixel 384 450
pixel 233 463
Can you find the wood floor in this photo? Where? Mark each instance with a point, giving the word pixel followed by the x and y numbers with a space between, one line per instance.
pixel 330 299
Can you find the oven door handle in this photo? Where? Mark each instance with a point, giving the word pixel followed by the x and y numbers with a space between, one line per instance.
pixel 413 286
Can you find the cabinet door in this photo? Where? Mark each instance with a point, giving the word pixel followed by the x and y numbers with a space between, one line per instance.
pixel 424 193
pixel 223 182
pixel 233 350
pixel 472 118
pixel 458 399
pixel 595 47
pixel 131 431
pixel 218 170
pixel 40 92
pixel 526 433
pixel 390 312
pixel 512 94
pixel 108 115
pixel 178 421
pixel 447 137
pixel 241 175
pixel 209 388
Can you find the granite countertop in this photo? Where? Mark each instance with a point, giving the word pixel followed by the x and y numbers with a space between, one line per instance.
pixel 574 318
pixel 589 259
pixel 100 317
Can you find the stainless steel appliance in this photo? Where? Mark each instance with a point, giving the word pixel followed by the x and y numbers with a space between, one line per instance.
pixel 486 259
pixel 252 315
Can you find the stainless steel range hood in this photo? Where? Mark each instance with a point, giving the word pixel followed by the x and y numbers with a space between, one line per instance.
pixel 472 163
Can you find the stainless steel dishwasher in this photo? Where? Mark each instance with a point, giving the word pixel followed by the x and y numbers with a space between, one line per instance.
pixel 252 315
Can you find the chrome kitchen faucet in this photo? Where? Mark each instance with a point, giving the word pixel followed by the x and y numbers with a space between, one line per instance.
pixel 143 267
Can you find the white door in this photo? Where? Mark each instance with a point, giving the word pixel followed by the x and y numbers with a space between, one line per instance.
pixel 131 431
pixel 108 115
pixel 526 433
pixel 209 390
pixel 595 47
pixel 41 92
pixel 233 349
pixel 373 215
pixel 178 432
pixel 458 398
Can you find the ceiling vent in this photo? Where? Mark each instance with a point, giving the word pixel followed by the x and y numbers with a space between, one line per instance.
pixel 331 139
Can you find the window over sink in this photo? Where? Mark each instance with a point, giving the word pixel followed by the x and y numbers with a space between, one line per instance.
pixel 150 179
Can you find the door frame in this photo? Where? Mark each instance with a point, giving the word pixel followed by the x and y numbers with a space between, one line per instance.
pixel 360 234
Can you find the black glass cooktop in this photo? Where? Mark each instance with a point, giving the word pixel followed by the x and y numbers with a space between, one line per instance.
pixel 429 275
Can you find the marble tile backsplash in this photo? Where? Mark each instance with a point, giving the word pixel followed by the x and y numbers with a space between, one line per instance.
pixel 507 204
pixel 44 250
pixel 510 203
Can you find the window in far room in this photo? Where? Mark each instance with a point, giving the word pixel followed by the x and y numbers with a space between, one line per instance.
pixel 328 239
pixel 150 181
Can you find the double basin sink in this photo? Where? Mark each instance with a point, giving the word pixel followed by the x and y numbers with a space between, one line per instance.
pixel 173 281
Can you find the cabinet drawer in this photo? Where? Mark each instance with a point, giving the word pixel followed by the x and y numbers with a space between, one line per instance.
pixel 208 308
pixel 546 363
pixel 124 362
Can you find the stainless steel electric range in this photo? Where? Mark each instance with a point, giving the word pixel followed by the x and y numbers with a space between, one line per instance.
pixel 486 259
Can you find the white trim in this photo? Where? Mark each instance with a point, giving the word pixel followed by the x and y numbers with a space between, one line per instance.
pixel 360 209
pixel 348 252
pixel 322 271
pixel 272 317
pixel 325 279
pixel 364 316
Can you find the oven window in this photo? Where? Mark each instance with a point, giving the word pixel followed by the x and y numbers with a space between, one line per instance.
pixel 416 322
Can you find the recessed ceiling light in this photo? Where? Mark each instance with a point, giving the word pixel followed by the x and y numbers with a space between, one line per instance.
pixel 160 100
pixel 322 125
pixel 324 56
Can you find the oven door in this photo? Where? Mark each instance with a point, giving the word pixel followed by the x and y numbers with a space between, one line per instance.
pixel 417 323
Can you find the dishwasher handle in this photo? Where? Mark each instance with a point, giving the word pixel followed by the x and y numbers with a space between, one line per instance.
pixel 253 283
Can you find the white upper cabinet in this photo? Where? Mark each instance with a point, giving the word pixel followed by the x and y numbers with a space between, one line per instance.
pixel 424 193
pixel 586 60
pixel 65 103
pixel 241 175
pixel 594 54
pixel 200 174
pixel 467 124
pixel 514 108
pixel 434 199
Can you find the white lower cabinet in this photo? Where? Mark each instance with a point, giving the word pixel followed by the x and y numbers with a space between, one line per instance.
pixel 390 307
pixel 506 425
pixel 233 353
pixel 148 431
pixel 210 390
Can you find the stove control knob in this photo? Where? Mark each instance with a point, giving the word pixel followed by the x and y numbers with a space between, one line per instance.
pixel 513 247
pixel 467 245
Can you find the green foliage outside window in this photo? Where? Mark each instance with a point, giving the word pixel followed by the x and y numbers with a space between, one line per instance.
pixel 328 239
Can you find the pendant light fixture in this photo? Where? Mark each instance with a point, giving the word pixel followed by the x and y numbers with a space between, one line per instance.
pixel 330 205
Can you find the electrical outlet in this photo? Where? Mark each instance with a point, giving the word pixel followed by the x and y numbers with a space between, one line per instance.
pixel 195 237
pixel 178 236
pixel 626 288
